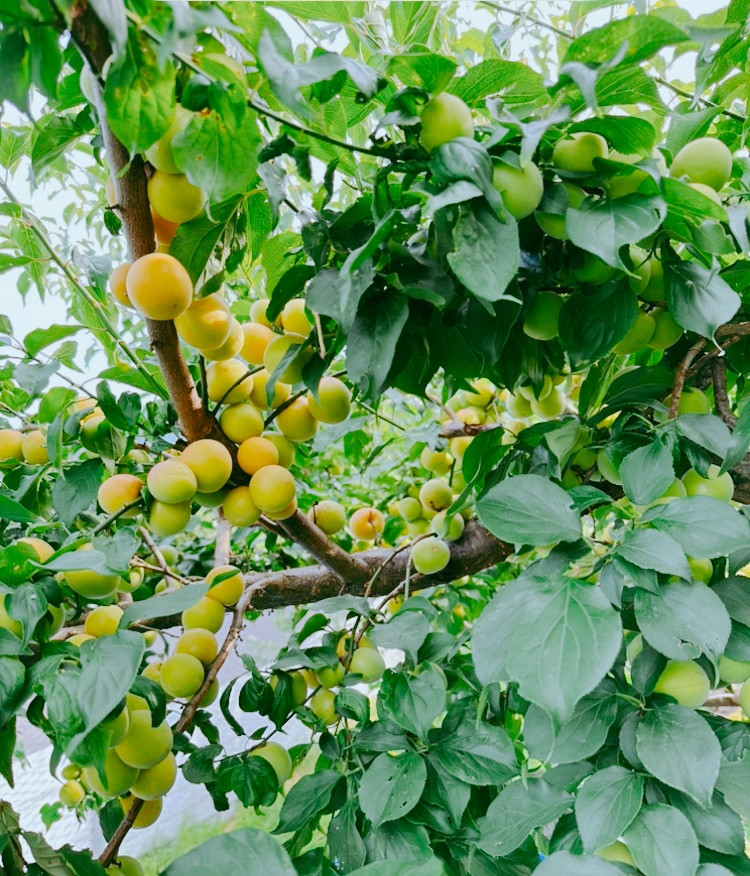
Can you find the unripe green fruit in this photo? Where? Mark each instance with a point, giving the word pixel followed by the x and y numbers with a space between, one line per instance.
pixel 212 692
pixel 148 814
pixel 299 686
pixel 239 508
pixel 328 515
pixel 707 192
pixel 585 458
pixel 125 866
pixel 450 528
pixel 72 793
pixel 418 527
pixel 322 705
pixel 654 290
pixel 607 468
pixel 437 461
pixel 165 520
pixel 554 223
pixel 229 590
pixel 172 482
pixel 702 569
pixel 174 197
pixel 436 494
pixel 145 746
pixel 641 269
pixel 160 154
pixel 181 676
pixel 617 851
pixel 410 509
pixel 90 584
pixel 635 646
pixel 745 699
pixel 156 781
pixel 686 682
pixel 521 188
pixel 118 775
pixel 368 663
pixel 638 335
pixel 518 406
pixel 692 401
pixel 542 320
pixel 272 488
pixel 330 676
pixel 705 160
pixel 241 421
pixel 278 757
pixel 71 771
pixel 550 406
pixel 134 703
pixel 207 614
pixel 666 332
pixel 589 268
pixel 444 118
pixel 103 621
pixel 430 555
pixel 733 671
pixel 717 486
pixel 333 403
pixel 576 153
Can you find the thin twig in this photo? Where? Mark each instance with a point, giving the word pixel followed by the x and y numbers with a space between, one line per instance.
pixel 242 379
pixel 721 399
pixel 112 517
pixel 681 376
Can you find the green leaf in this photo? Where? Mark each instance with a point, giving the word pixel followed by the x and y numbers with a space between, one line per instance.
pixel 733 783
pixel 568 864
pixel 423 70
pixel 407 630
pixel 662 842
pixel 516 811
pixel 139 96
pixel 391 786
pixel 683 620
pixel 699 299
pixel 603 226
pixel 641 36
pixel 114 17
pixel 650 549
pixel 479 754
pixel 163 605
pixel 412 702
pixel 556 637
pixel 735 595
pixel 433 867
pixel 529 509
pixel 12 510
pixel 717 827
pixel 344 839
pixel 515 82
pixel 218 155
pixel 486 252
pixel 606 804
pixel 371 344
pixel 308 799
pixel 76 490
pixel 740 442
pixel 196 240
pixel 241 851
pixel 705 430
pixel 591 324
pixel 108 667
pixel 702 526
pixel 7 749
pixel 15 70
pixel 647 472
pixel 465 159
pixel 12 676
pixel 677 746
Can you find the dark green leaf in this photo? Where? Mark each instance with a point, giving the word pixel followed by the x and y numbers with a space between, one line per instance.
pixel 591 324
pixel 308 799
pixel 392 786
pixel 699 299
pixel 76 490
pixel 662 842
pixel 647 472
pixel 702 526
pixel 479 754
pixel 651 549
pixel 242 851
pixel 163 605
pixel 606 804
pixel 372 341
pixel 517 83
pixel 412 702
pixel 568 864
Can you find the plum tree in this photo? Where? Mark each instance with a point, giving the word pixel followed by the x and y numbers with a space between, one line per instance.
pixel 239 508
pixel 165 519
pixel 666 333
pixel 553 223
pixel 577 152
pixel 160 153
pixel 118 491
pixel 159 287
pixel 444 118
pixel 705 160
pixel 103 621
pixel 148 813
pixel 330 676
pixel 206 614
pixel 322 704
pixel 278 757
pixel 294 319
pixel 198 643
pixel 436 495
pixel 117 776
pixel 241 421
pixel 72 793
pixel 733 671
pixel 231 347
pixel 717 486
pixel 117 726
pixel 685 682
pixel 638 335
pixel 281 347
pixel 34 447
pixel 367 663
pixel 366 524
pixel 125 866
pixel 256 338
pixel 521 187
pixel 11 444
pixel 228 381
pixel 118 284
pixel 296 421
pixel 89 583
pixel 542 319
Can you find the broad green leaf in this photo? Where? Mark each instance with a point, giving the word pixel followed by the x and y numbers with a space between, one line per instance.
pixel 37 340
pixel 717 826
pixel 407 631
pixel 516 811
pixel 702 526
pixel 683 620
pixel 465 159
pixel 662 842
pixel 705 430
pixel 529 509
pixel 241 851
pixel 678 747
pixel 735 594
pixel 307 800
pixel 515 82
pixel 423 70
pixel 733 780
pixel 651 549
pixel 604 226
pixel 412 702
pixel 76 490
pixel 592 323
pixel 433 867
pixel 699 299
pixel 196 240
pixel 391 786
pixel 12 676
pixel 372 341
pixel 479 754
pixel 12 510
pixel 568 864
pixel 344 839
pixel 606 804
pixel 556 637
pixel 647 472
pixel 641 36
pixel 163 605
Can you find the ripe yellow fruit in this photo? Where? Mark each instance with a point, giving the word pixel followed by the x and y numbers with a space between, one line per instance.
pixel 153 671
pixel 293 318
pixel 258 313
pixel 72 793
pixel 444 118
pixel 78 639
pixel 272 488
pixel 333 403
pixel 198 643
pixel 160 153
pixel 157 780
pixel 328 515
pixel 576 153
pixel 521 188
pixel 254 453
pixel 118 491
pixel 686 682
pixel 239 508
pixel 148 814
pixel 279 347
pixel 430 555
pixel 145 746
pixel 34 447
pixel 286 512
pixel 542 320
pixel 256 338
pixel 322 705
pixel 117 284
pixel 181 676
pixel 11 444
pixel 210 462
pixel 165 520
pixel 281 391
pixel 284 447
pixel 164 231
pixel 159 287
pixel 231 346
pixel 297 422
pixel 221 378
pixel 103 621
pixel 366 524
pixel 436 461
pixel 436 494
pixel 229 590
pixel 88 583
pixel 171 482
pixel 174 197
pixel 206 323
pixel 240 422
pixel 705 160
pixel 118 775
pixel 40 547
pixel 278 757
pixel 207 614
